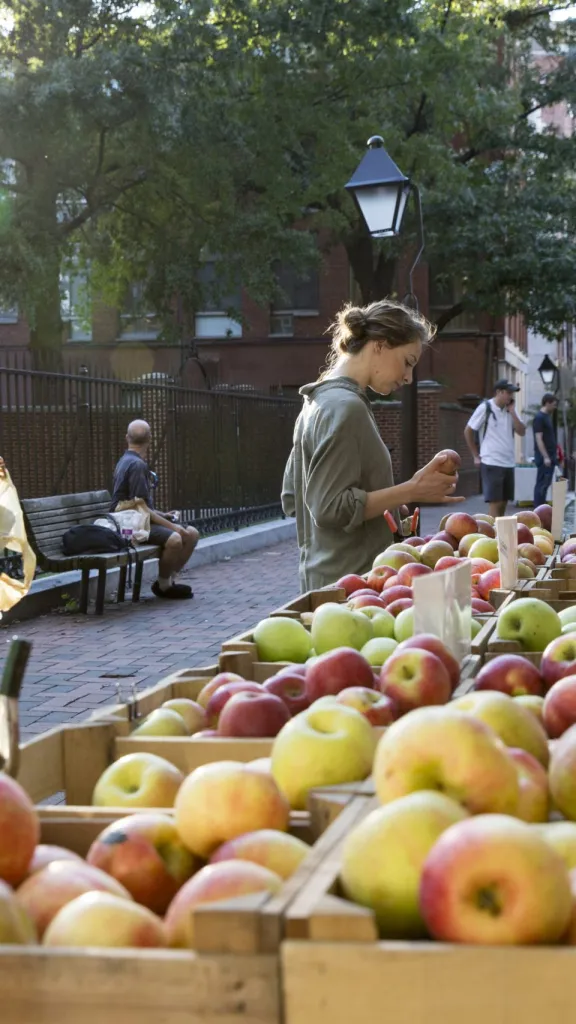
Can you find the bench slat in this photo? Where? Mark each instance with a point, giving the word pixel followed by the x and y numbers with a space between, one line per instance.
pixel 65 501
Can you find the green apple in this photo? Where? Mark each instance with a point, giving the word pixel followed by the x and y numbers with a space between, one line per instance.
pixel 162 722
pixel 378 650
pixel 383 859
pixel 326 745
pixel 404 625
pixel 486 548
pixel 396 559
pixel 334 625
pixel 529 621
pixel 402 546
pixel 525 570
pixel 466 543
pixel 515 725
pixel 570 627
pixel 283 639
pixel 475 627
pixel 568 615
pixel 382 621
pixel 193 714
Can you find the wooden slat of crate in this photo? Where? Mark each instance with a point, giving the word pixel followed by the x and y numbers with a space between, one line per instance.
pixel 426 983
pixel 41 768
pixel 118 986
pixel 185 683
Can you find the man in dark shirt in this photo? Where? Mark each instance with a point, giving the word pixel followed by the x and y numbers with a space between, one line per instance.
pixel 544 447
pixel 134 479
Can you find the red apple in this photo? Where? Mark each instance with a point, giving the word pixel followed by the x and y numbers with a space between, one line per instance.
pixel 407 573
pixel 544 513
pixel 366 592
pixel 390 594
pixel 534 798
pixel 524 534
pixel 415 678
pixel 351 583
pixel 529 518
pixel 366 601
pixel 19 831
pixel 429 642
pixel 377 577
pixel 559 710
pixel 219 680
pixel 222 695
pixel 44 893
pixel 414 542
pixel 45 853
pixel 559 659
pixel 377 707
pixel 206 734
pixel 481 607
pixel 480 565
pixel 447 562
pixel 448 538
pixel 459 524
pixel 428 537
pixel 486 528
pixel 248 715
pixel 488 581
pixel 532 553
pixel 290 687
pixel 511 674
pixel 335 671
pixel 400 605
pixel 452 463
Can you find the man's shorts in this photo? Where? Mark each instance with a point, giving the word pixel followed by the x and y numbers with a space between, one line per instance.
pixel 497 482
pixel 159 535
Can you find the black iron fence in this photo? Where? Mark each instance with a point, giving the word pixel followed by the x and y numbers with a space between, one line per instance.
pixel 219 457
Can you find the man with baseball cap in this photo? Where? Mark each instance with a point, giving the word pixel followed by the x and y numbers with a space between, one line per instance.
pixel 489 435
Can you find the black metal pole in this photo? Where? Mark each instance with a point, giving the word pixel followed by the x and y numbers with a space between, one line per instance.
pixel 409 460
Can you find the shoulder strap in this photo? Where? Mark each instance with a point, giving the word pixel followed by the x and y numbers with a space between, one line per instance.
pixel 489 413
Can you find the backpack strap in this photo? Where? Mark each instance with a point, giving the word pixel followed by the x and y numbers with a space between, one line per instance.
pixel 489 413
pixel 110 518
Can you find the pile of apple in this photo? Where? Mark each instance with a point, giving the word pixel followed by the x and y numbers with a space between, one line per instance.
pixel 146 872
pixel 567 551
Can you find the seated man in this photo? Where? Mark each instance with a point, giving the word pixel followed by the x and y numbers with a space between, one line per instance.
pixel 133 479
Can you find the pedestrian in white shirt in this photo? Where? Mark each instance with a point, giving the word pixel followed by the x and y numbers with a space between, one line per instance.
pixel 493 424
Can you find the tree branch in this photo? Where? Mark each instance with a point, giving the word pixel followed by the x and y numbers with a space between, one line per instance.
pixel 90 211
pixel 448 315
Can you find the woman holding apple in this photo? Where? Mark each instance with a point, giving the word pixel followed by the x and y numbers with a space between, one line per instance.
pixel 338 482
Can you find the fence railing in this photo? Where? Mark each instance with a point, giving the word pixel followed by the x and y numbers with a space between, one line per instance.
pixel 219 457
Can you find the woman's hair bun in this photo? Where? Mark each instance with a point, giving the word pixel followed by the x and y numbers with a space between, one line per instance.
pixel 355 322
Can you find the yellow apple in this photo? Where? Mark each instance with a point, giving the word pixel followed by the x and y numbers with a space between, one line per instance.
pixel 162 722
pixel 192 712
pixel 138 780
pixel 325 745
pixel 532 703
pixel 47 891
pixel 561 835
pixel 515 726
pixel 384 855
pixel 534 799
pixel 278 851
pixel 101 919
pixel 16 926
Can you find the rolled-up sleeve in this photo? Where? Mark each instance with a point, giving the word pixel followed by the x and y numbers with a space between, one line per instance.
pixel 332 495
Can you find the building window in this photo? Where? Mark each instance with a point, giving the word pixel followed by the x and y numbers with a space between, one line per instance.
pixel 76 306
pixel 137 321
pixel 219 303
pixel 8 314
pixel 444 293
pixel 298 290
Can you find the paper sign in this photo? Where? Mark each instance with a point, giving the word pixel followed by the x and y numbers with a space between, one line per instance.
pixel 507 534
pixel 559 489
pixel 442 606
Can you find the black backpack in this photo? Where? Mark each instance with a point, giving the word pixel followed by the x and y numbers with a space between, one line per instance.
pixel 489 412
pixel 94 540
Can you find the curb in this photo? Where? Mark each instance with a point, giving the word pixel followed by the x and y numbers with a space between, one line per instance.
pixel 52 592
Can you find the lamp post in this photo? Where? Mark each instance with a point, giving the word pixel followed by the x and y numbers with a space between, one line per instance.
pixel 381 192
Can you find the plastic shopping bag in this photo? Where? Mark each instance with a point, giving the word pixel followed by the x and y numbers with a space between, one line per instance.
pixel 13 537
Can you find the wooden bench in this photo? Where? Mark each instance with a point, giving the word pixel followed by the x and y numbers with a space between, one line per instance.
pixel 47 520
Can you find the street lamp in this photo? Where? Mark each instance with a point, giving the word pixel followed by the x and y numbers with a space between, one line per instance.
pixel 549 373
pixel 381 192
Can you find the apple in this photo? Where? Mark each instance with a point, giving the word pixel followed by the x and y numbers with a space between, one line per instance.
pixel 407 573
pixel 45 853
pixel 567 615
pixel 475 627
pixel 434 551
pixel 277 851
pixel 569 627
pixel 488 581
pixel 404 624
pixel 224 799
pixel 214 883
pixel 350 583
pixel 395 593
pixel 532 553
pixel 383 857
pixel 562 774
pixel 486 548
pixel 480 566
pixel 511 674
pixel 529 518
pixel 192 712
pixel 534 800
pixel 429 642
pixel 466 543
pixel 365 601
pixel 452 463
pixel 494 881
pixel 336 670
pixel 545 545
pixel 382 621
pixel 414 542
pixel 515 726
pixel 248 715
pixel 525 570
pixel 544 513
pixel 261 764
pixel 445 538
pixel 407 548
pixel 481 607
pixel 138 780
pixel 525 535
pixel 326 745
pixel 415 678
pixel 533 704
pixel 396 559
pixel 485 528
pixel 102 919
pixel 559 711
pixel 44 893
pixel 485 518
pixel 337 626
pixel 206 734
pixel 162 722
pixel 447 562
pixel 219 700
pixel 441 748
pixel 532 623
pixel 459 524
pixel 146 855
pixel 219 680
pixel 16 926
pixel 559 659
pixel 377 577
pixel 378 650
pixel 290 687
pixel 282 639
pixel 400 605
pixel 19 831
pixel 561 836
pixel 375 706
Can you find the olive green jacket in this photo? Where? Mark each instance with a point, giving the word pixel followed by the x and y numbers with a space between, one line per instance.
pixel 338 456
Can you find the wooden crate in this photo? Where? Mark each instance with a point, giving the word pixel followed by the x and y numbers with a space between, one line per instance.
pixel 301 608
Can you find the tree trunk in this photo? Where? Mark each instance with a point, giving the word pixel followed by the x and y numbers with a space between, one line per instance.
pixel 373 272
pixel 46 332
